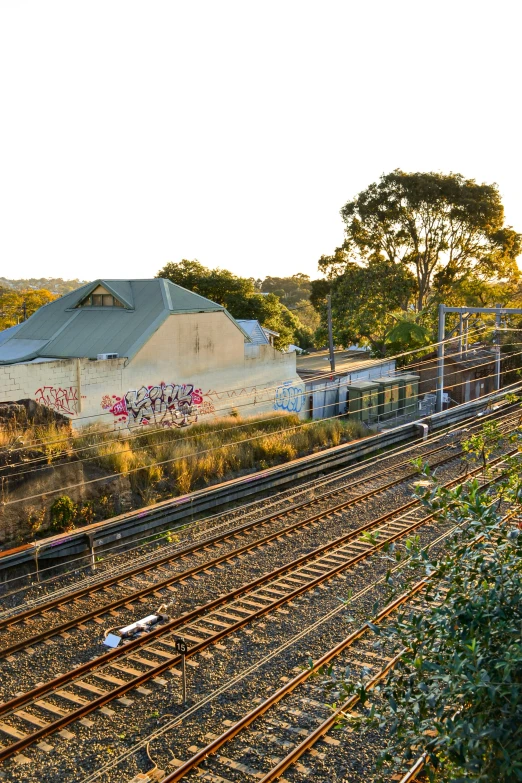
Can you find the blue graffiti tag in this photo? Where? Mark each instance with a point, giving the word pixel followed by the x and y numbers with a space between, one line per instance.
pixel 289 398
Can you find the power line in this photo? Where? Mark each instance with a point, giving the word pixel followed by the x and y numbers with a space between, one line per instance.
pixel 192 456
pixel 174 441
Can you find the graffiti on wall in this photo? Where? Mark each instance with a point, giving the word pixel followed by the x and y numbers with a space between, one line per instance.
pixel 247 394
pixel 164 405
pixel 289 398
pixel 61 400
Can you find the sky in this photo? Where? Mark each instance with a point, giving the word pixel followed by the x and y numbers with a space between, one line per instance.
pixel 137 133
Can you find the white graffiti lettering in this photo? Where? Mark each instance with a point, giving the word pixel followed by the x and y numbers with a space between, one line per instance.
pixel 289 398
pixel 165 405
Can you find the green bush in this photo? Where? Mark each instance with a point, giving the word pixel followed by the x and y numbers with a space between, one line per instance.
pixel 63 513
pixel 456 693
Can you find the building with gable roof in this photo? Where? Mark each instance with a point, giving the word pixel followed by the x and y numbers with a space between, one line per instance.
pixel 142 352
pixel 258 334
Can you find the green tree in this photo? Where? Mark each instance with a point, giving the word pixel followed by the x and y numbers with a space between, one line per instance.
pixel 367 302
pixel 294 292
pixel 456 692
pixel 63 513
pixel 443 228
pixel 15 304
pixel 290 290
pixel 215 284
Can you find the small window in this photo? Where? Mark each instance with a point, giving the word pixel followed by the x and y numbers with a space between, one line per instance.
pixel 100 300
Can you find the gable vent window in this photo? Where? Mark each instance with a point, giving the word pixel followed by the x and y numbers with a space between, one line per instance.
pixel 100 300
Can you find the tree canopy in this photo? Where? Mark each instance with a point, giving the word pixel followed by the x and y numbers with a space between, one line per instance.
pixel 294 292
pixel 56 285
pixel 290 290
pixel 368 302
pixel 242 298
pixel 444 228
pixel 14 305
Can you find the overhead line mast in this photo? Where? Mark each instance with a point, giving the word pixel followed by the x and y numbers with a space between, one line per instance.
pixel 464 313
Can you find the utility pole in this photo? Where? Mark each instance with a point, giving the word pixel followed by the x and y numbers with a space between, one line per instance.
pixel 330 335
pixel 24 310
pixel 497 341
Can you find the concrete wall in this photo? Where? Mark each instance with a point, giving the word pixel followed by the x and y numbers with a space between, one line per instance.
pixel 194 366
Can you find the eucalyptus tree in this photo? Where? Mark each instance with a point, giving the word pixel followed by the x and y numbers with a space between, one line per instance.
pixel 444 228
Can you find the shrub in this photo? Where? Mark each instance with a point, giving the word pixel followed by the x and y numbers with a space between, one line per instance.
pixel 456 693
pixel 63 514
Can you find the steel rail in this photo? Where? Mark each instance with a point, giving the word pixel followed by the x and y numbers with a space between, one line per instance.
pixel 324 727
pixel 338 475
pixel 100 701
pixel 163 630
pixel 187 550
pixel 99 586
pixel 137 594
pixel 118 691
pixel 415 770
pixel 287 688
pixel 127 525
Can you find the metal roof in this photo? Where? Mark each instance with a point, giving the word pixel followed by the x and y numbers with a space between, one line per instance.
pixel 254 330
pixel 64 330
pixel 471 359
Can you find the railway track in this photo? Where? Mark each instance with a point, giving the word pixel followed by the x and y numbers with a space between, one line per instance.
pixel 290 717
pixel 321 732
pixel 49 611
pixel 95 684
pixel 224 541
pixel 177 509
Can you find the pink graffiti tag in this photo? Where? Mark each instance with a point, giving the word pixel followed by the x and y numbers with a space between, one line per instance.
pixel 63 401
pixel 167 405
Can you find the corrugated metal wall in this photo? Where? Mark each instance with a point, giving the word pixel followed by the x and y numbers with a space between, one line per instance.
pixel 327 398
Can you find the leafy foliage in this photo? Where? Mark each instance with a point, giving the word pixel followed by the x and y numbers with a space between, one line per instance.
pixel 367 302
pixel 290 290
pixel 14 303
pixel 442 227
pixel 484 443
pixel 456 693
pixel 63 512
pixel 413 240
pixel 294 292
pixel 407 335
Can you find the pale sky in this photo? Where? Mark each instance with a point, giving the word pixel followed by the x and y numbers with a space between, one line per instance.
pixel 136 133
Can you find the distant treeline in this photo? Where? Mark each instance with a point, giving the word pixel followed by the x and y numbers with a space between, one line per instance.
pixel 53 284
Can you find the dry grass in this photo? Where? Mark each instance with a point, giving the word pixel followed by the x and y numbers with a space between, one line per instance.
pixel 208 453
pixel 177 461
